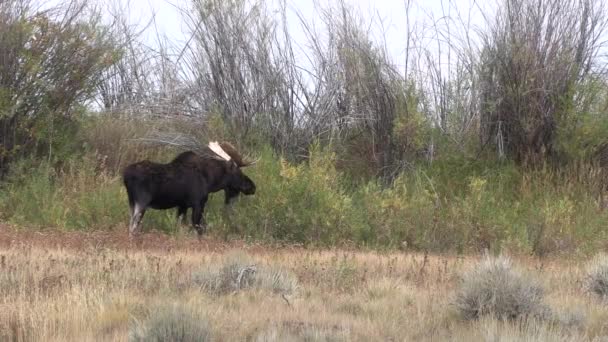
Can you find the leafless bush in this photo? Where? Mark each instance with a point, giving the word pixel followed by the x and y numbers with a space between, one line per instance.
pixel 533 57
pixel 147 80
pixel 231 60
pixel 244 65
pixel 444 60
pixel 127 82
pixel 367 86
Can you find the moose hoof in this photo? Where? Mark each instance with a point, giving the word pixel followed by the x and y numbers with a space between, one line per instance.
pixel 200 229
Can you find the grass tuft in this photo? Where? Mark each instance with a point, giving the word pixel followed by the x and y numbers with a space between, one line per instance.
pixel 597 276
pixel 236 272
pixel 301 331
pixel 495 288
pixel 171 323
pixel 239 272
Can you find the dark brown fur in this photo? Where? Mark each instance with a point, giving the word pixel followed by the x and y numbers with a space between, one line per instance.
pixel 185 182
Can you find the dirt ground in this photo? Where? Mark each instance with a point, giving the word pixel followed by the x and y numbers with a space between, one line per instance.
pixel 11 236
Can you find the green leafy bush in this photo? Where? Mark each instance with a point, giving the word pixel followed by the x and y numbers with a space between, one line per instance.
pixel 302 203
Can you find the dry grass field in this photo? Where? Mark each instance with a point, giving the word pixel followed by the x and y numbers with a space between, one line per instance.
pixel 60 286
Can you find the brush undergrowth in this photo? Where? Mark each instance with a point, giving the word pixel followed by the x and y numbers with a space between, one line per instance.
pixel 454 204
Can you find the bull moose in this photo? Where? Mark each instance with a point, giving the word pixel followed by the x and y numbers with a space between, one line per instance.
pixel 186 182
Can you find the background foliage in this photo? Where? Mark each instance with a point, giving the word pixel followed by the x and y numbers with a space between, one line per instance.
pixel 507 149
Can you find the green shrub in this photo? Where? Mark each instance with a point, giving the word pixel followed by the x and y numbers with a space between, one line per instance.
pixel 396 214
pixel 302 203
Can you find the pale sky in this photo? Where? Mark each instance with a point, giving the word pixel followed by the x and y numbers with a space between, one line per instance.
pixel 465 16
pixel 391 12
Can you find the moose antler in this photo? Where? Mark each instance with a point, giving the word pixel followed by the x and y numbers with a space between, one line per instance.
pixel 232 152
pixel 217 149
pixel 250 162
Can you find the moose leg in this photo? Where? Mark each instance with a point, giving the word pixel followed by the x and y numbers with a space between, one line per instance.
pixel 230 196
pixel 202 223
pixel 131 209
pixel 198 222
pixel 181 213
pixel 197 215
pixel 132 214
pixel 132 222
pixel 136 218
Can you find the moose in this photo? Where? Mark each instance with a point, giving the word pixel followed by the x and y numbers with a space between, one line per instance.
pixel 186 182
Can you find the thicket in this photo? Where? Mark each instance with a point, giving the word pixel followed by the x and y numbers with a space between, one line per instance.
pixel 505 148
